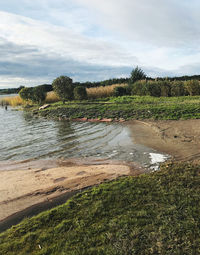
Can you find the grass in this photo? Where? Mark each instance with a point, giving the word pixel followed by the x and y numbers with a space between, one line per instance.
pixel 155 213
pixel 128 107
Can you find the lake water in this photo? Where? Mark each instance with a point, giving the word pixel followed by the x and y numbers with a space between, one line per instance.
pixel 23 137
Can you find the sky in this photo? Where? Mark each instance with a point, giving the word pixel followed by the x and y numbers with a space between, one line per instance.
pixel 92 40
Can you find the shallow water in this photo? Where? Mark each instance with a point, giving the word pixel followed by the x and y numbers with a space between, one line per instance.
pixel 23 137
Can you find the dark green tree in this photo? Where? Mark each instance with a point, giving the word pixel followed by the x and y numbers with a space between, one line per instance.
pixel 26 93
pixel 64 88
pixel 39 94
pixel 137 74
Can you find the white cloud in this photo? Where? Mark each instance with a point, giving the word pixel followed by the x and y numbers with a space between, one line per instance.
pixel 51 39
pixel 168 23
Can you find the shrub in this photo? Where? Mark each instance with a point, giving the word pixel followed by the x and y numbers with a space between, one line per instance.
pixel 26 93
pixel 80 93
pixel 119 91
pixel 128 89
pixel 64 88
pixel 153 89
pixel 193 87
pixel 139 88
pixel 177 89
pixel 39 94
pixel 165 88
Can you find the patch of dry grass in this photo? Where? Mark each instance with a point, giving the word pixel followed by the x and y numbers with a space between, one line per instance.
pixel 12 101
pixel 51 97
pixel 103 91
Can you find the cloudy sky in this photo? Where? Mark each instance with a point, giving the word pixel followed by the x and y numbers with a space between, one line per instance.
pixel 92 40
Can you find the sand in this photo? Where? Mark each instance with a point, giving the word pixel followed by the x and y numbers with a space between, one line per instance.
pixel 22 189
pixel 180 139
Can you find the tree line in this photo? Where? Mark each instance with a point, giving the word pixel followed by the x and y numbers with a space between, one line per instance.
pixel 137 84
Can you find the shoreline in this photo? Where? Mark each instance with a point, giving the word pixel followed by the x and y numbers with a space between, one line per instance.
pixel 24 192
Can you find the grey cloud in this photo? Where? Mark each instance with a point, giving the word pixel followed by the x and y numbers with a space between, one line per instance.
pixel 29 63
pixel 10 49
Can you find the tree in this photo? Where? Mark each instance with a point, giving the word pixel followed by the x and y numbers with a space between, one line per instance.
pixel 80 93
pixel 137 74
pixel 26 93
pixel 63 87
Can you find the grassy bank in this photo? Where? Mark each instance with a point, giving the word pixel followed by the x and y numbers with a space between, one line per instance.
pixel 155 213
pixel 127 107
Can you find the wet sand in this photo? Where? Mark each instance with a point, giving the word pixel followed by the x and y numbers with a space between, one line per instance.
pixel 180 139
pixel 26 191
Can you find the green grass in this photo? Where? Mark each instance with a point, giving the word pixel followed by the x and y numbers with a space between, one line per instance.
pixel 128 107
pixel 155 213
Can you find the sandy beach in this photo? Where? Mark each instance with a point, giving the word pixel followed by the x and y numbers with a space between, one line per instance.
pixel 23 189
pixel 26 188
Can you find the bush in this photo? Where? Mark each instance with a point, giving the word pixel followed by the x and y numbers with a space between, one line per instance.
pixel 80 93
pixel 193 87
pixel 165 88
pixel 119 91
pixel 128 90
pixel 39 94
pixel 26 93
pixel 139 88
pixel 177 89
pixel 63 87
pixel 153 89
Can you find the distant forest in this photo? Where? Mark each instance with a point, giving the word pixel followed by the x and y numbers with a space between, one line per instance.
pixel 88 84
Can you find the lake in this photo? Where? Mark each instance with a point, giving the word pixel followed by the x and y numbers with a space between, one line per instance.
pixel 27 138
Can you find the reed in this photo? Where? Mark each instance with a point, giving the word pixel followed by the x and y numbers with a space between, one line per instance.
pixel 103 91
pixel 12 101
